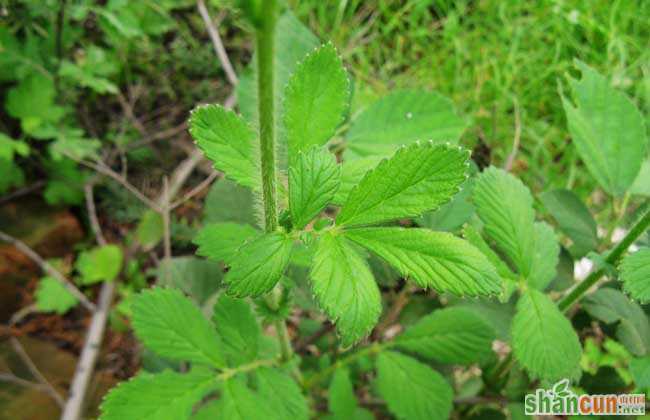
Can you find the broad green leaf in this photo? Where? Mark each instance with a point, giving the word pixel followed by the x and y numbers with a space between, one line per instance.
pixel 452 335
pixel 635 274
pixel 545 258
pixel 341 401
pixel 229 202
pixel 640 370
pixel 51 296
pixel 505 206
pixel 32 102
pixel 432 259
pixel 451 216
pixel 239 402
pixel 543 340
pixel 228 141
pixel 415 179
pixel 150 230
pixel 163 396
pixel 293 41
pixel 169 324
pixel 345 288
pixel 473 236
pixel 196 277
pixel 10 147
pixel 607 129
pixel 574 219
pixel 99 264
pixel 238 329
pixel 411 389
pixel 284 397
pixel 352 172
pixel 402 118
pixel 220 241
pixel 316 98
pixel 258 264
pixel 641 186
pixel 612 306
pixel 313 181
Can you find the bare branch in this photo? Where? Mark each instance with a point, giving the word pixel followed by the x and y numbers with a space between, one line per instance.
pixel 204 184
pixel 47 268
pixel 217 43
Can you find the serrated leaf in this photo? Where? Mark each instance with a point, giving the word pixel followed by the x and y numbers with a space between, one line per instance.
pixel 451 335
pixel 239 402
pixel 228 201
pixel 313 181
pixel 238 329
pixel 402 118
pixel 169 324
pixel 220 241
pixel 316 97
pixel 345 288
pixel 473 236
pixel 150 230
pixel 505 206
pixel 352 172
pixel 546 257
pixel 196 277
pixel 635 274
pixel 412 390
pixel 32 101
pixel 574 219
pixel 543 340
pixel 51 296
pixel 163 396
pixel 99 264
pixel 611 306
pixel 284 397
pixel 258 264
pixel 415 179
pixel 450 216
pixel 607 129
pixel 228 141
pixel 341 401
pixel 640 370
pixel 432 259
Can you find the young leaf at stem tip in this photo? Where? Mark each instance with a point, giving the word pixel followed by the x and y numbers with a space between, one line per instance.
pixel 345 287
pixel 258 264
pixel 228 141
pixel 316 99
pixel 415 179
pixel 314 178
pixel 432 259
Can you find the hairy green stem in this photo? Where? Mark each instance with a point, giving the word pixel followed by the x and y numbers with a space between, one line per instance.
pixel 612 258
pixel 265 69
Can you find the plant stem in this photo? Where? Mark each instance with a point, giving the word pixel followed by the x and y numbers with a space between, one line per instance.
pixel 612 259
pixel 372 349
pixel 265 69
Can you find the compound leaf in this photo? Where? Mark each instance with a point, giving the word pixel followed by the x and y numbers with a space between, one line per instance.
pixel 52 296
pixel 402 118
pixel 635 274
pixel 505 206
pixel 451 335
pixel 228 141
pixel 415 179
pixel 412 389
pixel 313 181
pixel 543 340
pixel 169 324
pixel 315 99
pixel 163 396
pixel 432 259
pixel 345 288
pixel 220 241
pixel 258 264
pixel 607 129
